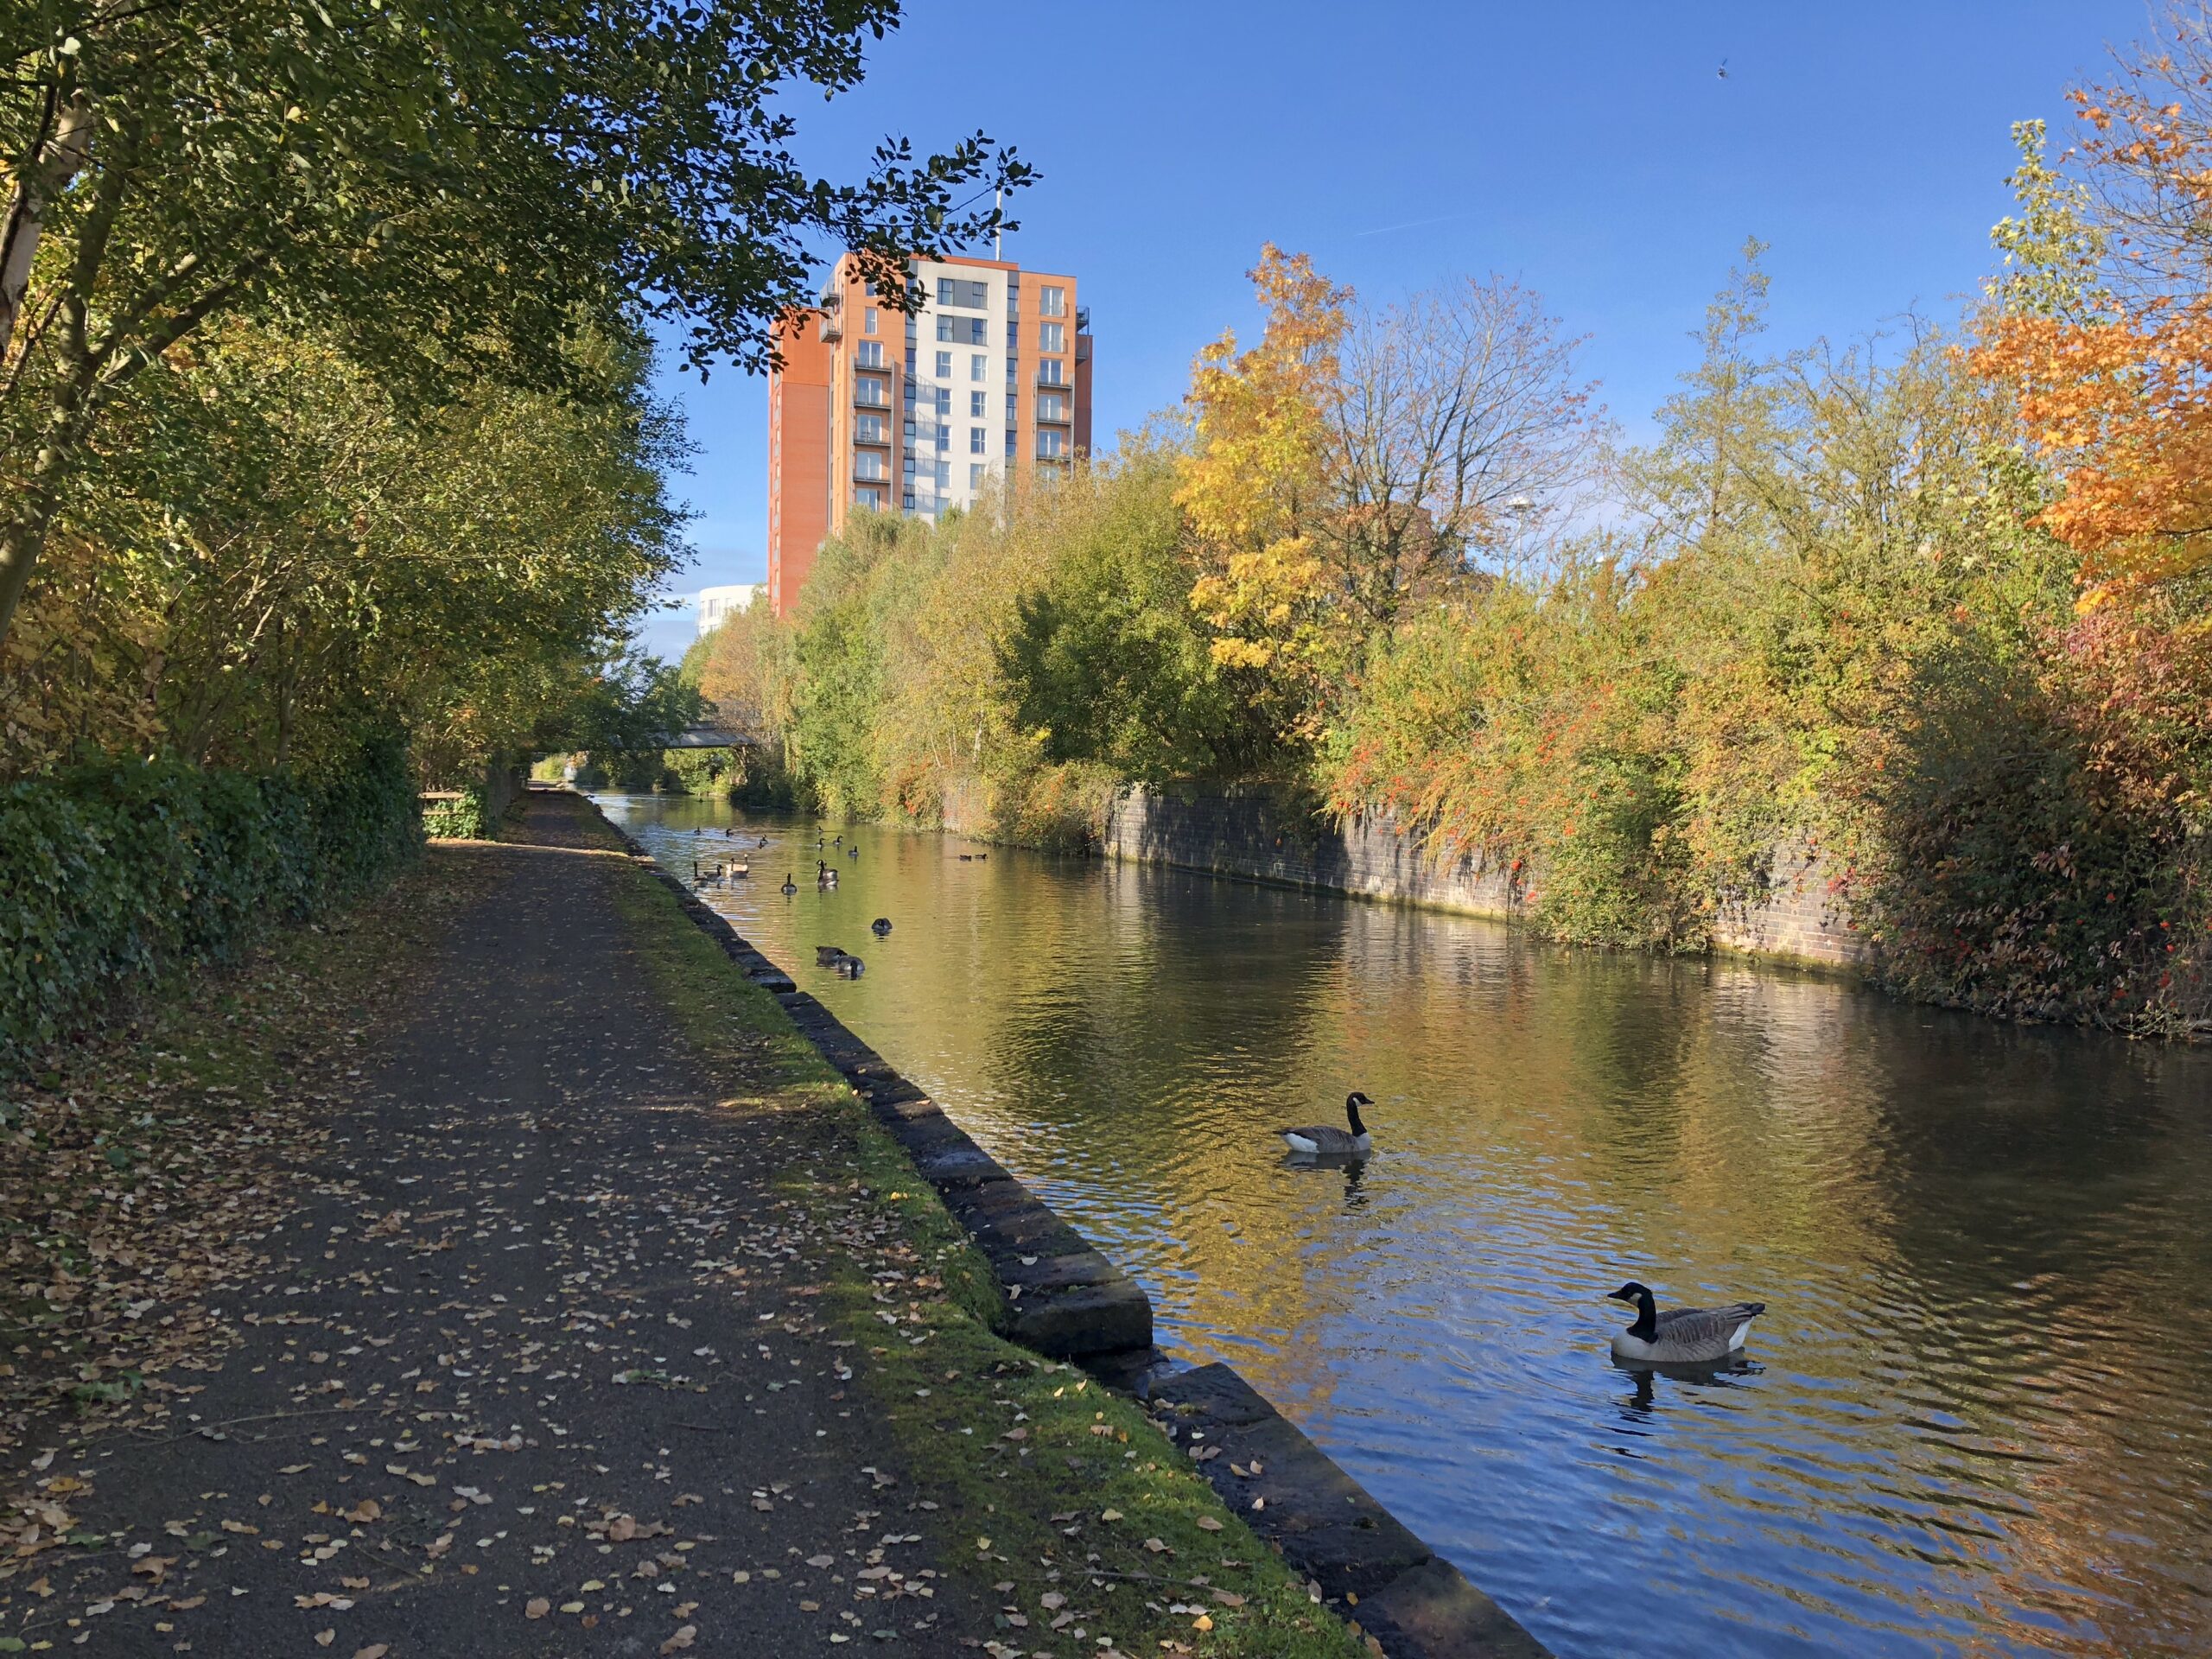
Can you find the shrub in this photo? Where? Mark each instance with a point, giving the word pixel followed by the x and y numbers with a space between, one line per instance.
pixel 114 872
pixel 467 817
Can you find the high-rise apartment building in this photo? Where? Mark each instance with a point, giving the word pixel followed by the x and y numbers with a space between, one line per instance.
pixel 988 381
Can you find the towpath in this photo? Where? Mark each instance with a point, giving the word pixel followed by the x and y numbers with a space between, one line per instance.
pixel 535 1367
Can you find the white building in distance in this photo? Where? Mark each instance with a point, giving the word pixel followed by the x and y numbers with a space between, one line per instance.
pixel 718 605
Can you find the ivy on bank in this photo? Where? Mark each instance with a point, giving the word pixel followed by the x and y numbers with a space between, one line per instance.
pixel 112 873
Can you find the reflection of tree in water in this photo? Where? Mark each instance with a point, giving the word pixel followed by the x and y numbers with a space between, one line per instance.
pixel 1187 1009
pixel 2029 1178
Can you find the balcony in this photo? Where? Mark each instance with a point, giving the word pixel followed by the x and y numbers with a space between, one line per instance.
pixel 1064 416
pixel 1048 377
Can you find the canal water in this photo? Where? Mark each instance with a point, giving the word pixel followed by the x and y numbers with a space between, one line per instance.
pixel 1976 1417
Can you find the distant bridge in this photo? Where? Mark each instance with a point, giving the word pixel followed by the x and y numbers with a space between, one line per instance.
pixel 718 729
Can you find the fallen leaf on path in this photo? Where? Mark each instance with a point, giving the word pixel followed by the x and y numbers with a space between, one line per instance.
pixel 682 1638
pixel 537 1607
pixel 1207 1523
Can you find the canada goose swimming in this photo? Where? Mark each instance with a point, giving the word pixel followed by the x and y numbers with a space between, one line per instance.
pixel 848 967
pixel 852 852
pixel 879 926
pixel 763 841
pixel 1681 1336
pixel 967 858
pixel 827 956
pixel 1332 1142
pixel 824 875
pixel 837 841
pixel 789 885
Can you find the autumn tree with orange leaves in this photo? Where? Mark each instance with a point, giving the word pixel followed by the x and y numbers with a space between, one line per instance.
pixel 2102 322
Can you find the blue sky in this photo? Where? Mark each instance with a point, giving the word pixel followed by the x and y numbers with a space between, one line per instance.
pixel 1590 151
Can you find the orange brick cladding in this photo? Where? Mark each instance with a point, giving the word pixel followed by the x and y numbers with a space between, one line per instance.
pixel 988 383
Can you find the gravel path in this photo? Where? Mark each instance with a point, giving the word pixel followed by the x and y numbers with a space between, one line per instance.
pixel 532 1369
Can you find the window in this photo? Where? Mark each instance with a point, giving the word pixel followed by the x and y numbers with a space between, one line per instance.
pixel 1051 406
pixel 978 366
pixel 944 436
pixel 871 354
pixel 1048 373
pixel 869 390
pixel 1051 446
pixel 868 429
pixel 975 440
pixel 1013 298
pixel 909 431
pixel 976 476
pixel 1013 335
pixel 944 366
pixel 1009 446
pixel 945 400
pixel 868 463
pixel 907 501
pixel 944 326
pixel 908 468
pixel 867 320
pixel 910 362
pixel 1051 336
pixel 1052 302
pixel 975 406
pixel 868 495
pixel 1010 414
pixel 958 290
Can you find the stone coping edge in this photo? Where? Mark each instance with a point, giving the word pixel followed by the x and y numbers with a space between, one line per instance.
pixel 1067 1302
pixel 1364 1562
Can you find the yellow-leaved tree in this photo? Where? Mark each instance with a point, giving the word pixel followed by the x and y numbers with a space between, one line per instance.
pixel 1255 487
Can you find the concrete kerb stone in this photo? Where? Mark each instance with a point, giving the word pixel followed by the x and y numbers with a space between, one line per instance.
pixel 1327 1526
pixel 1068 1301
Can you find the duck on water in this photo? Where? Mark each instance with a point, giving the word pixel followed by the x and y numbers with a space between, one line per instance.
pixel 1681 1336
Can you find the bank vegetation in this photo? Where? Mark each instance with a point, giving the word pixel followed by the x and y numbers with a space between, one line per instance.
pixel 1931 605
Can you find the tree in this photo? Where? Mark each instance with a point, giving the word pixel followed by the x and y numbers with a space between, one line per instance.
pixel 445 187
pixel 1357 464
pixel 1253 486
pixel 1104 662
pixel 2101 325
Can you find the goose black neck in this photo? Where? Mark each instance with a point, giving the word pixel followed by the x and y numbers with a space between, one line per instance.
pixel 1351 1112
pixel 1647 1318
